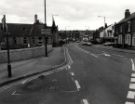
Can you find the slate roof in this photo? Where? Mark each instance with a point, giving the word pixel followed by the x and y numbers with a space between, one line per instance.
pixel 132 16
pixel 19 30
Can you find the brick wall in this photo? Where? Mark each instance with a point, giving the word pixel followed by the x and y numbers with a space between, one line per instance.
pixel 23 54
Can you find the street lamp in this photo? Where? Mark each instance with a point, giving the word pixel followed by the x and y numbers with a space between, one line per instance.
pixel 43 31
pixel 5 32
pixel 104 19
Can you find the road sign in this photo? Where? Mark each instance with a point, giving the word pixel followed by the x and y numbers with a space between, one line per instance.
pixel 46 31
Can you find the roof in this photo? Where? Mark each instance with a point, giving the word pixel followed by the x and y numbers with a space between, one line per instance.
pixel 24 29
pixel 127 19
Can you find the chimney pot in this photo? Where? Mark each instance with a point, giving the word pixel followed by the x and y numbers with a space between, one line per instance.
pixel 127 13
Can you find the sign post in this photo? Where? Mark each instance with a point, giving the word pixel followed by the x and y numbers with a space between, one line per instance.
pixel 45 33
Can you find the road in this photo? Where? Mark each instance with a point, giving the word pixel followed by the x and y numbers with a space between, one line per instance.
pixel 93 76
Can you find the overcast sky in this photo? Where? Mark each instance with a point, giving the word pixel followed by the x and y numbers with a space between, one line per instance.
pixel 72 14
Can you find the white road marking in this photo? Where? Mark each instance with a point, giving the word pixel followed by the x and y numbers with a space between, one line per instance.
pixel 87 52
pixel 14 93
pixel 85 101
pixel 23 82
pixel 77 85
pixel 133 75
pixel 94 55
pixel 72 73
pixel 132 80
pixel 133 65
pixel 129 103
pixel 107 55
pixel 117 55
pixel 69 57
pixel 132 86
pixel 131 95
pixel 70 91
pixel 69 67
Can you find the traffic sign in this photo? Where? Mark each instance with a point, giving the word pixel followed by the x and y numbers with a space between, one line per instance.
pixel 46 31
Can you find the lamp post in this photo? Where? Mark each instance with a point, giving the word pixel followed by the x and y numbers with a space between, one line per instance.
pixel 104 19
pixel 5 32
pixel 45 25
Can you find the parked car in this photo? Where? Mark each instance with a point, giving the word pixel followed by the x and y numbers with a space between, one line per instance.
pixel 108 44
pixel 86 43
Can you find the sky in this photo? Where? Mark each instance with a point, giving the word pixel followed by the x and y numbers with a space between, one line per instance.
pixel 68 14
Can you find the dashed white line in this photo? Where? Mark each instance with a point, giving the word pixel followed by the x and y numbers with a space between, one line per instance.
pixel 85 101
pixel 129 103
pixel 133 65
pixel 132 86
pixel 77 85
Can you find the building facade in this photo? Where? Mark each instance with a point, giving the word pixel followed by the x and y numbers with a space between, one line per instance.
pixel 125 30
pixel 25 35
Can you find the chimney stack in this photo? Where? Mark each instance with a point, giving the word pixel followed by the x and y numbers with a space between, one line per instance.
pixel 127 13
pixel 36 18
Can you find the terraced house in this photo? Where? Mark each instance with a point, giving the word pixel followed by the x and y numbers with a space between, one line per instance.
pixel 125 30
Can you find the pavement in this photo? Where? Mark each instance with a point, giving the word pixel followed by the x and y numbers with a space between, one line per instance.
pixel 93 75
pixel 27 68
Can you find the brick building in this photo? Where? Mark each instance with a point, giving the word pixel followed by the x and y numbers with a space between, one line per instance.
pixel 26 35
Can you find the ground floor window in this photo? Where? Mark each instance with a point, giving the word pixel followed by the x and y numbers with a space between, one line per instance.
pixel 128 39
pixel 120 39
pixel 25 40
pixel 133 41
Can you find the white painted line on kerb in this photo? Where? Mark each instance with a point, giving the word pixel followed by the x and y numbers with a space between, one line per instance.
pixel 133 75
pixel 132 86
pixel 133 65
pixel 129 103
pixel 132 80
pixel 77 85
pixel 85 101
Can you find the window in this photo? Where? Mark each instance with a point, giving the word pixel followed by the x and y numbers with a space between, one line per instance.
pixel 129 26
pixel 15 41
pixel 25 40
pixel 40 38
pixel 33 40
pixel 120 29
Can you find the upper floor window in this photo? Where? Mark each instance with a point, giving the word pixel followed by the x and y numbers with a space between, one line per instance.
pixel 120 29
pixel 129 26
